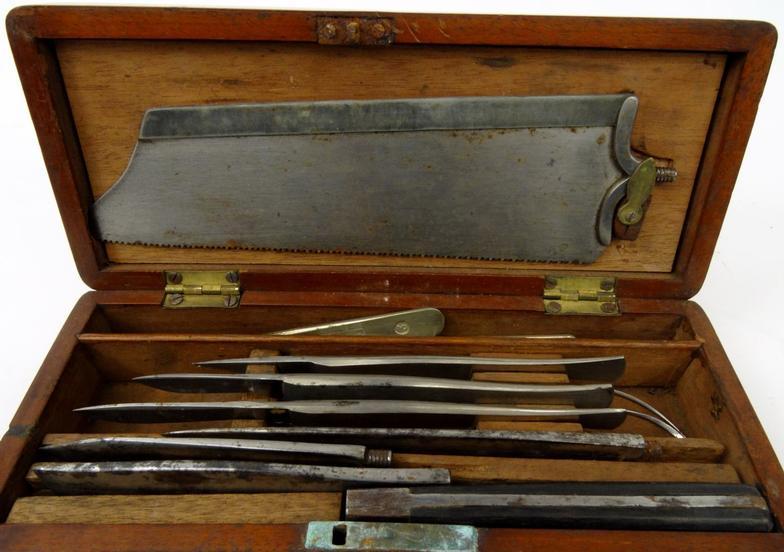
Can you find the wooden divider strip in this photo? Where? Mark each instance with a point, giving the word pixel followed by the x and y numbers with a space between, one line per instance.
pixel 216 508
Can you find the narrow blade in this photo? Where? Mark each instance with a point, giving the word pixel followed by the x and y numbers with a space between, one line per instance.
pixel 360 386
pixel 215 476
pixel 600 418
pixel 467 442
pixel 597 369
pixel 208 448
pixel 426 322
pixel 651 506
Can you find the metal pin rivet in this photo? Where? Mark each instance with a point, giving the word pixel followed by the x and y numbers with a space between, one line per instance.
pixel 177 299
pixel 553 307
pixel 607 285
pixel 378 30
pixel 550 282
pixel 233 277
pixel 175 277
pixel 329 30
pixel 608 307
pixel 231 301
pixel 402 328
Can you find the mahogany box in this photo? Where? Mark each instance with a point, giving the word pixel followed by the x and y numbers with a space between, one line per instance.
pixel 90 73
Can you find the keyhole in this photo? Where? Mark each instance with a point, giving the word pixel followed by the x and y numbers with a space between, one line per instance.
pixel 339 535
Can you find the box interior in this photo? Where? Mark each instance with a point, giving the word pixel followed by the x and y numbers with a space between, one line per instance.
pixel 664 367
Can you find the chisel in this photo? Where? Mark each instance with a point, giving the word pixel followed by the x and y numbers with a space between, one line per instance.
pixel 387 387
pixel 217 476
pixel 651 506
pixel 597 369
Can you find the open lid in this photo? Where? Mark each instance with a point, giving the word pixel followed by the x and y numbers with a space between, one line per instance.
pixel 91 74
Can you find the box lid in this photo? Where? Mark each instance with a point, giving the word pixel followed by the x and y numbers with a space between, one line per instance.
pixel 90 74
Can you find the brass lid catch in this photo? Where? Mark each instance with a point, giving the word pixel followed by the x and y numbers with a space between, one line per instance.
pixel 580 295
pixel 206 288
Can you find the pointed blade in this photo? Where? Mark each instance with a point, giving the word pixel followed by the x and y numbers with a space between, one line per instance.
pixel 363 386
pixel 605 418
pixel 603 369
pixel 466 442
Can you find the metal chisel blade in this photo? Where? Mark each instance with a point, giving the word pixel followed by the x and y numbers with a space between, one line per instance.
pixel 210 448
pixel 415 164
pixel 363 386
pixel 652 506
pixel 605 418
pixel 216 476
pixel 467 442
pixel 602 369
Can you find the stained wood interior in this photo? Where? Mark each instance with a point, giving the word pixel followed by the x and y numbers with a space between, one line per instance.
pixel 111 83
pixel 262 319
pixel 664 368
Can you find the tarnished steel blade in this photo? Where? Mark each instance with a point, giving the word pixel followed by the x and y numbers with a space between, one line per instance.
pixel 471 442
pixel 653 506
pixel 216 476
pixel 603 369
pixel 363 386
pixel 520 178
pixel 426 322
pixel 208 447
pixel 152 412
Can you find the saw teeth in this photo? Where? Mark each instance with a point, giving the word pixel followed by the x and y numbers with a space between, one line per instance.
pixel 337 252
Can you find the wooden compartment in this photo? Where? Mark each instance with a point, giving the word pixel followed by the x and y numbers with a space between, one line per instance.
pixel 89 74
pixel 681 377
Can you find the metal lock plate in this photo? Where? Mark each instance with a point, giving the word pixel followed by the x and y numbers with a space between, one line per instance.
pixel 411 537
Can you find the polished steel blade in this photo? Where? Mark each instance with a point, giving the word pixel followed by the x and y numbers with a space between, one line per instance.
pixel 215 476
pixel 467 442
pixel 521 178
pixel 209 448
pixel 188 411
pixel 426 322
pixel 606 369
pixel 362 386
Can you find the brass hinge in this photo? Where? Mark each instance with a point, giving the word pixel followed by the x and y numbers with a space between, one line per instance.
pixel 580 295
pixel 202 288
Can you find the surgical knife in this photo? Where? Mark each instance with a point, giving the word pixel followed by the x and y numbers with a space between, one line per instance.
pixel 151 412
pixel 468 442
pixel 652 506
pixel 142 446
pixel 597 369
pixel 217 476
pixel 387 387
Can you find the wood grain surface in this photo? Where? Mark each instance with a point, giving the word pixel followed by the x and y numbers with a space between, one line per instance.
pixel 217 508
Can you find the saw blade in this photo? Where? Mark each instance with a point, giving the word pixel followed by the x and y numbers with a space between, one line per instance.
pixel 513 178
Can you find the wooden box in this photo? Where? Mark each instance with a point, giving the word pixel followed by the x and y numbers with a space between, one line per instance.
pixel 90 73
